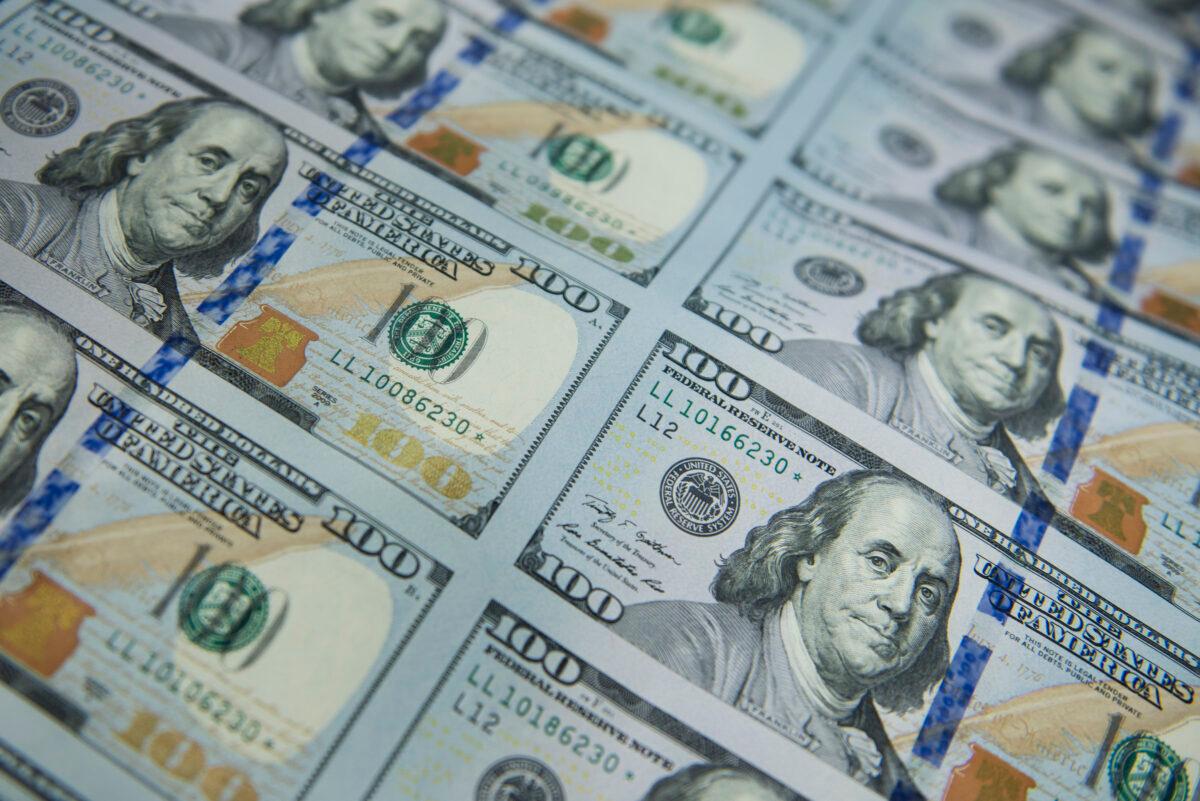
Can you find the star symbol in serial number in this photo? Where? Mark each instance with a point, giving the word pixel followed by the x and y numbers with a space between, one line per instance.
pixel 629 775
pixel 795 476
pixel 479 437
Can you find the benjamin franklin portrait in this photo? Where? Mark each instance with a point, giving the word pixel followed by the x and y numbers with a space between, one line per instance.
pixel 834 606
pixel 324 54
pixel 710 782
pixel 178 189
pixel 1023 205
pixel 958 364
pixel 37 380
pixel 1083 82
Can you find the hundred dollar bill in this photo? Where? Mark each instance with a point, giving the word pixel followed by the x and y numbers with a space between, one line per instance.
pixel 1072 76
pixel 846 305
pixel 738 60
pixel 581 162
pixel 178 597
pixel 889 140
pixel 907 640
pixel 531 720
pixel 406 335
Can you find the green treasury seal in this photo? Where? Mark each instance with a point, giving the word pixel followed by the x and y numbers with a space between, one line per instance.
pixel 223 608
pixel 1144 768
pixel 428 335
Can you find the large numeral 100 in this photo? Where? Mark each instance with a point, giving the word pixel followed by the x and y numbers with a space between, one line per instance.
pixel 706 368
pixel 533 647
pixel 181 757
pixel 574 232
pixel 551 282
pixel 601 603
pixel 738 325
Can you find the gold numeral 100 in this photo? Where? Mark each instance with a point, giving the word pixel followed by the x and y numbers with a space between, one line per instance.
pixel 183 758
pixel 574 232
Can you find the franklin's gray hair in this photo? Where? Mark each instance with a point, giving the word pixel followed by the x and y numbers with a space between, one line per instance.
pixel 970 188
pixel 897 327
pixel 691 783
pixel 761 576
pixel 101 160
pixel 19 482
pixel 285 16
pixel 1032 67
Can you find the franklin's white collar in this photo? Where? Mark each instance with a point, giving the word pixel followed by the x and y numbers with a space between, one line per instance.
pixel 112 239
pixel 824 699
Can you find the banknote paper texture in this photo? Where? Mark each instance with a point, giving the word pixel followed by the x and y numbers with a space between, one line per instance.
pixel 173 570
pixel 388 326
pixel 530 719
pixel 1071 76
pixel 889 140
pixel 733 60
pixel 580 161
pixel 796 576
pixel 843 304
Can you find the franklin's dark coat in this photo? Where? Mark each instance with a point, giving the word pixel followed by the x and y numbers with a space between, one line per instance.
pixel 62 231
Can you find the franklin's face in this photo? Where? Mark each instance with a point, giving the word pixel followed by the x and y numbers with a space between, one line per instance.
pixel 875 596
pixel 375 42
pixel 995 350
pixel 1107 81
pixel 1052 203
pixel 736 789
pixel 191 193
pixel 37 373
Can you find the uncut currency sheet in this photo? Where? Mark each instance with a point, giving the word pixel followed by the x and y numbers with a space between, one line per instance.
pixel 697 461
pixel 580 161
pixel 543 400
pixel 802 277
pixel 174 568
pixel 308 322
pixel 513 693
pixel 890 140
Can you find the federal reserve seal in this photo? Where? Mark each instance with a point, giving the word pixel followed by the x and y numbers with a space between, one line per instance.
pixel 829 276
pixel 700 496
pixel 1144 768
pixel 41 107
pixel 428 335
pixel 905 146
pixel 223 608
pixel 519 778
